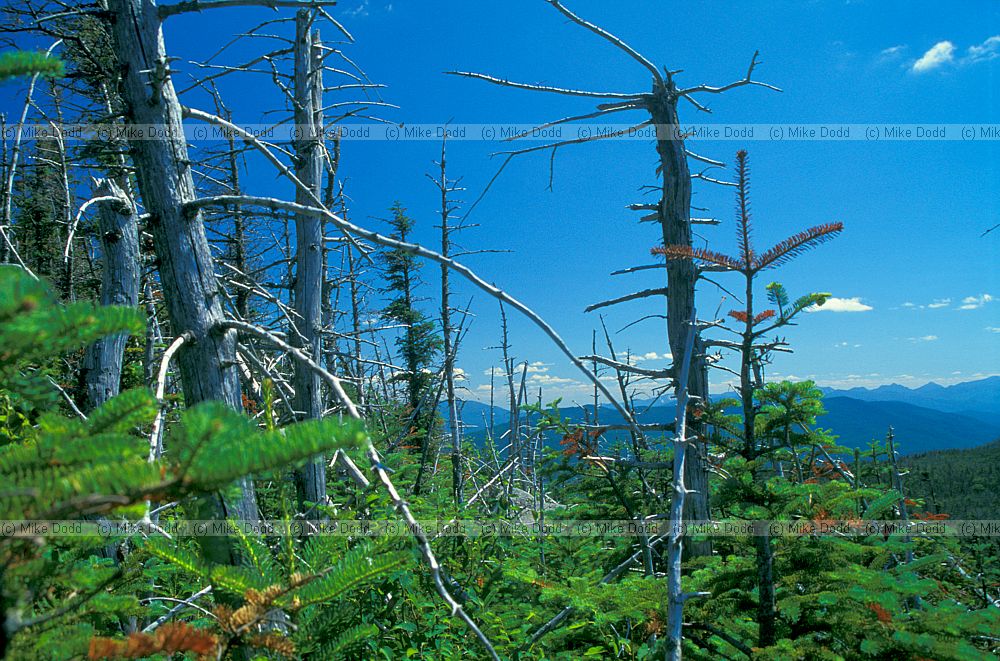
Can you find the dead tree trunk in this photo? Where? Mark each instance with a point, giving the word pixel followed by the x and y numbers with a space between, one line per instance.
pixel 446 186
pixel 674 215
pixel 119 235
pixel 355 289
pixel 673 212
pixel 675 541
pixel 310 480
pixel 208 364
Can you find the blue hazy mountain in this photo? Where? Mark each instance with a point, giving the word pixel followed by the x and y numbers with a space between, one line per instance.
pixel 931 417
pixel 977 398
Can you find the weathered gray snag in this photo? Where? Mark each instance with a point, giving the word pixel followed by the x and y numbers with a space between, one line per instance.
pixel 310 480
pixel 672 212
pixel 119 235
pixel 207 364
pixel 445 187
pixel 675 537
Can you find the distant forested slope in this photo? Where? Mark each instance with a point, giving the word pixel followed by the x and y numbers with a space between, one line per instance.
pixel 964 483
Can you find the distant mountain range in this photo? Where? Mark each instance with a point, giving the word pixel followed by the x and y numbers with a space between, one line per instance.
pixel 931 417
pixel 976 398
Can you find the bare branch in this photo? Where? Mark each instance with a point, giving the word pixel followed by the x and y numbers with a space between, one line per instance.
pixel 645 293
pixel 739 83
pixel 464 271
pixel 617 42
pixel 576 141
pixel 625 367
pixel 545 88
pixel 611 108
pixel 166 11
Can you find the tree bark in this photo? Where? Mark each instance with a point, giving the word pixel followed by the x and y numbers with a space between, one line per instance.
pixel 310 480
pixel 454 430
pixel 119 235
pixel 675 216
pixel 207 365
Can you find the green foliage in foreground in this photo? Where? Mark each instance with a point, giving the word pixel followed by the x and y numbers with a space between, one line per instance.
pixel 331 597
pixel 28 63
pixel 58 592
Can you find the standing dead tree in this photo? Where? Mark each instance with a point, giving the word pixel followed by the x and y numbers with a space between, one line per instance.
pixel 8 251
pixel 447 187
pixel 208 364
pixel 672 212
pixel 310 263
pixel 121 261
pixel 675 536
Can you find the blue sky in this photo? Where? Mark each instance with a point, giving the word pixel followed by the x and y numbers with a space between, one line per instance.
pixel 918 284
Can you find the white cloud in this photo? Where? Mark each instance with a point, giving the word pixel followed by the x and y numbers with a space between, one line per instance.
pixel 943 52
pixel 924 338
pixel 549 380
pixel 649 355
pixel 974 302
pixel 537 367
pixel 993 329
pixel 892 52
pixel 834 304
pixel 935 305
pixel 360 10
pixel 986 51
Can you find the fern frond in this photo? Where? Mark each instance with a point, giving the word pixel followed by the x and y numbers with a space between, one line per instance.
pixel 258 554
pixel 761 316
pixel 882 504
pixel 233 579
pixel 809 300
pixel 29 63
pixel 216 445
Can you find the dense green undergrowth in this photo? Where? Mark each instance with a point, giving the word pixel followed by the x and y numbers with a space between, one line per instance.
pixel 328 597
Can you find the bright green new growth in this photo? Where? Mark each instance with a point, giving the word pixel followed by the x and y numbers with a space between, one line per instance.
pixel 55 467
pixel 14 64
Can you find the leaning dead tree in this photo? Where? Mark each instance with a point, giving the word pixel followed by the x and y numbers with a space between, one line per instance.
pixel 672 213
pixel 207 364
